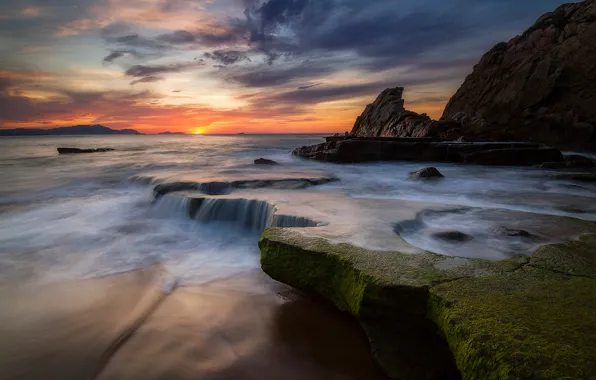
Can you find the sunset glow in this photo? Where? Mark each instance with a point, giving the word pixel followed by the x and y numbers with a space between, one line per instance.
pixel 233 66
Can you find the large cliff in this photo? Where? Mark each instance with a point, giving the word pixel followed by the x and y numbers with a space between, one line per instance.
pixel 541 85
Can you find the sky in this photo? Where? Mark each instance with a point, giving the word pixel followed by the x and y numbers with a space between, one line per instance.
pixel 231 66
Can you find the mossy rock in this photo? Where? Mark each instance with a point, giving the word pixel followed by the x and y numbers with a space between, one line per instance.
pixel 387 291
pixel 425 314
pixel 531 324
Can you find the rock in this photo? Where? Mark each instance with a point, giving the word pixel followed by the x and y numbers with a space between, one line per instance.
pixel 452 236
pixel 581 177
pixel 426 173
pixel 537 87
pixel 387 117
pixel 515 157
pixel 264 161
pixel 499 320
pixel 553 165
pixel 403 149
pixel 512 232
pixel 579 162
pixel 78 151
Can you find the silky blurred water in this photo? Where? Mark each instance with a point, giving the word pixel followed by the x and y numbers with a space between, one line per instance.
pixel 82 215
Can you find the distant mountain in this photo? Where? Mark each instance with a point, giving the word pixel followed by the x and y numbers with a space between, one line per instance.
pixel 171 133
pixel 75 130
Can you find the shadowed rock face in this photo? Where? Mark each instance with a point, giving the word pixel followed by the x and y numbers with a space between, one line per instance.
pixel 387 117
pixel 537 87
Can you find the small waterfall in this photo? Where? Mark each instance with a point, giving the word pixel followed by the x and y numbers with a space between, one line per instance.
pixel 253 215
pixel 289 221
pixel 171 205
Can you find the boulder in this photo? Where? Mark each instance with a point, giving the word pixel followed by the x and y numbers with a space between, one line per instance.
pixel 264 161
pixel 426 173
pixel 78 151
pixel 539 86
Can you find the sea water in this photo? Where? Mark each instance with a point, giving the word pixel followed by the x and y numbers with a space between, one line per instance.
pixel 88 215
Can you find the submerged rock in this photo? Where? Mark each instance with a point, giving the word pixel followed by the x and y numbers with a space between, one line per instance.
pixel 78 151
pixel 452 236
pixel 426 173
pixel 264 161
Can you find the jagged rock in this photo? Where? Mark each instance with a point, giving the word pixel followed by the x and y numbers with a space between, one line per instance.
pixel 264 161
pixel 537 87
pixel 426 173
pixel 78 151
pixel 387 117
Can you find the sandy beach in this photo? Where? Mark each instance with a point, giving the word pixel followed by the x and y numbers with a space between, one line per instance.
pixel 126 327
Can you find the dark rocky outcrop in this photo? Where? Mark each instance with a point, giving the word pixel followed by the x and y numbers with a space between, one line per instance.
pixel 264 161
pixel 426 173
pixel 78 151
pixel 540 86
pixel 357 150
pixel 387 117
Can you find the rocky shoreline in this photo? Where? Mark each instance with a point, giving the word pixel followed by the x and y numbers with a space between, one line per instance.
pixel 512 319
pixel 363 149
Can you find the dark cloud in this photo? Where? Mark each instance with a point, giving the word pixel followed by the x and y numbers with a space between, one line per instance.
pixel 266 76
pixel 330 93
pixel 178 37
pixel 151 70
pixel 115 54
pixel 149 79
pixel 309 86
pixel 227 57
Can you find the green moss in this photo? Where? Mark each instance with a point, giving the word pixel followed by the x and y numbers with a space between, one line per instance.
pixel 387 291
pixel 576 258
pixel 530 324
pixel 513 319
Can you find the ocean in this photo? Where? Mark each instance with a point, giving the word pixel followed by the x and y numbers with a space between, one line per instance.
pixel 80 216
pixel 106 274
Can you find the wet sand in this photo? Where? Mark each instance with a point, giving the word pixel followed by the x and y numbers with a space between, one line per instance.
pixel 125 327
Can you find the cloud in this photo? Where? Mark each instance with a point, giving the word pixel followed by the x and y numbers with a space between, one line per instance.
pixel 266 76
pixel 147 70
pixel 148 79
pixel 177 37
pixel 309 86
pixel 227 57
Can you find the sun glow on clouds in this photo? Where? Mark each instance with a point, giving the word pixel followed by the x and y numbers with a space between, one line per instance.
pixel 156 65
